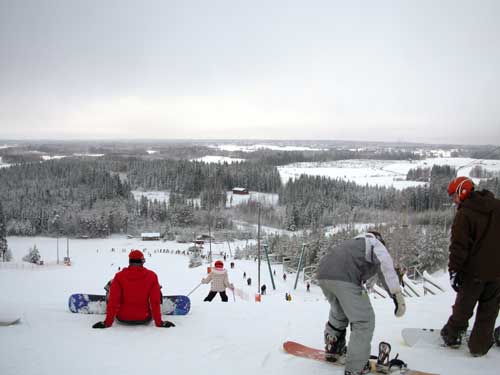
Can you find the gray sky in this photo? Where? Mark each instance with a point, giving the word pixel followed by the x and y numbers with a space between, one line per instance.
pixel 421 71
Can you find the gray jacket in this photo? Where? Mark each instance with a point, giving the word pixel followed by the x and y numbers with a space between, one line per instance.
pixel 357 260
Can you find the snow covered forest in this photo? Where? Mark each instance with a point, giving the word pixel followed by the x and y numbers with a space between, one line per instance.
pixel 92 191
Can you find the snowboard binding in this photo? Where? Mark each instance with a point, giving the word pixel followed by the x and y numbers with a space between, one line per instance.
pixel 384 350
pixel 386 366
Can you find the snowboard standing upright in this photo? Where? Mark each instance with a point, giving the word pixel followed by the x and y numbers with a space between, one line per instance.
pixel 96 304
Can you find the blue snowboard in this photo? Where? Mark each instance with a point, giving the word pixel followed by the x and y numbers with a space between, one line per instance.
pixel 96 304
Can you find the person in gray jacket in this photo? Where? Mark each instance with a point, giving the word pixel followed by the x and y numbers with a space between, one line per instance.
pixel 341 274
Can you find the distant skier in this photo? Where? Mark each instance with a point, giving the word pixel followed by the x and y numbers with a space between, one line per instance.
pixel 342 271
pixel 134 296
pixel 249 281
pixel 263 289
pixel 284 276
pixel 308 286
pixel 474 266
pixel 219 282
pixel 244 275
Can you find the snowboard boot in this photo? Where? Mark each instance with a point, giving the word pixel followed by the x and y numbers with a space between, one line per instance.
pixel 384 350
pixel 497 335
pixel 451 340
pixel 335 348
pixel 363 371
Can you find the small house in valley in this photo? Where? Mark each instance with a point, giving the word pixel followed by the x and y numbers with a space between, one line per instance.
pixel 153 236
pixel 240 191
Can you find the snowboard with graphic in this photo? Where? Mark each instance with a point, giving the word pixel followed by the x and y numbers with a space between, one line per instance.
pixel 96 304
pixel 303 351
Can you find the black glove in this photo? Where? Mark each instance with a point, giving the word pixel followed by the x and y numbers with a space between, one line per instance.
pixel 99 325
pixel 456 279
pixel 167 324
pixel 497 335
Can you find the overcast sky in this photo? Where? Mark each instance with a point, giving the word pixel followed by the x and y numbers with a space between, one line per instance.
pixel 421 71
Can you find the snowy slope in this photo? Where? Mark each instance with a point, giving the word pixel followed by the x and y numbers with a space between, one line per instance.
pixel 242 337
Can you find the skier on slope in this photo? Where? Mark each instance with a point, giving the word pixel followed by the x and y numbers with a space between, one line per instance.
pixel 219 282
pixel 342 271
pixel 134 295
pixel 474 266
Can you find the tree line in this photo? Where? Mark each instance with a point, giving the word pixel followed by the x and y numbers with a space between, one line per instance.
pixel 74 197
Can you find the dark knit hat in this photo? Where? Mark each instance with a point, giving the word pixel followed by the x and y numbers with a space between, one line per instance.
pixel 136 257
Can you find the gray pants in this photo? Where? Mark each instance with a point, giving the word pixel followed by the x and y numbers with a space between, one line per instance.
pixel 349 303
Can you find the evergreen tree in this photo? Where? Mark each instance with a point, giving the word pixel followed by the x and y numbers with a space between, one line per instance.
pixel 3 239
pixel 33 255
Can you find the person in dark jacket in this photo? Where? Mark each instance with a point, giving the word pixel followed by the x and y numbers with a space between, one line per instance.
pixel 134 295
pixel 342 273
pixel 474 266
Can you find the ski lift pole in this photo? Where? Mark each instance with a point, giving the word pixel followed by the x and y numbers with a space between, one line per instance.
pixel 300 265
pixel 196 287
pixel 269 265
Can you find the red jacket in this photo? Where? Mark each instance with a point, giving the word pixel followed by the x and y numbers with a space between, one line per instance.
pixel 134 296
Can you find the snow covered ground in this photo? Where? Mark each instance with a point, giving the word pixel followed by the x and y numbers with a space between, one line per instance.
pixel 242 337
pixel 232 199
pixel 2 164
pixel 218 159
pixel 382 172
pixel 255 147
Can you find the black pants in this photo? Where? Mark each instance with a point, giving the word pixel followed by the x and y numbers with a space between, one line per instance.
pixel 212 294
pixel 134 322
pixel 486 295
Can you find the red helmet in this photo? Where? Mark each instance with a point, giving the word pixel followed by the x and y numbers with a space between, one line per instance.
pixel 219 264
pixel 136 256
pixel 462 186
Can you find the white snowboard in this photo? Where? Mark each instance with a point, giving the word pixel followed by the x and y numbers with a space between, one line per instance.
pixel 412 336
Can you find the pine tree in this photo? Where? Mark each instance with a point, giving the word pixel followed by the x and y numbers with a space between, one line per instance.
pixel 3 240
pixel 33 255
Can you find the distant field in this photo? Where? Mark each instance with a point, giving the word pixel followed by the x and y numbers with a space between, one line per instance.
pixel 381 172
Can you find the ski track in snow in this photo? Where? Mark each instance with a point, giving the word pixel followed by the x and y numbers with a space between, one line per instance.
pixel 242 337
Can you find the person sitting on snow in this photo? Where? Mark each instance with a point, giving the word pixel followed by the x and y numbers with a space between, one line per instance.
pixel 219 282
pixel 134 295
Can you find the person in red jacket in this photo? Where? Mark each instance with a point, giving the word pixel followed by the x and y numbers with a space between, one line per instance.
pixel 134 296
